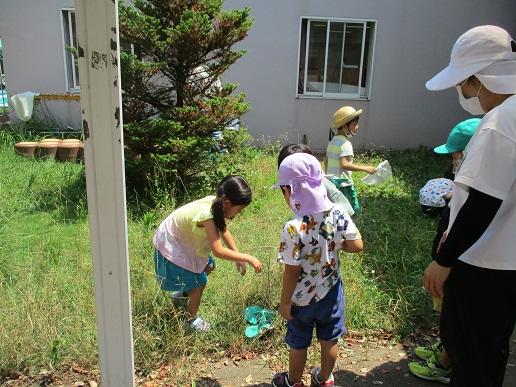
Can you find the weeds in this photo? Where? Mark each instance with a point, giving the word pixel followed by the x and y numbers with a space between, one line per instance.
pixel 47 302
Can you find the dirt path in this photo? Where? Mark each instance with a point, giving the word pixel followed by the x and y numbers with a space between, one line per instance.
pixel 360 364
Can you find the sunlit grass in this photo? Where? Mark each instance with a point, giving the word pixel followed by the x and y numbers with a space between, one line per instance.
pixel 46 283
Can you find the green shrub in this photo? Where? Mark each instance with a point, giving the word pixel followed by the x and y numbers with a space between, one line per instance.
pixel 173 101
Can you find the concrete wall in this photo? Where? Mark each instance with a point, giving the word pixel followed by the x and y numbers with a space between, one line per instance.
pixel 33 53
pixel 413 42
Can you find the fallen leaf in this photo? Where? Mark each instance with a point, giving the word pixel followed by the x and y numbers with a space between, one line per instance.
pixel 249 379
pixel 363 370
pixel 78 369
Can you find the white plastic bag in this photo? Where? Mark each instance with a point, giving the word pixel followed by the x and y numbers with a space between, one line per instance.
pixel 23 104
pixel 383 172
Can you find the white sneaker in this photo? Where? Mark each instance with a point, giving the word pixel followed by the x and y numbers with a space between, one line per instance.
pixel 199 324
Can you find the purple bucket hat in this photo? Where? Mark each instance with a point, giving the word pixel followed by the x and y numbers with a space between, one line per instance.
pixel 302 172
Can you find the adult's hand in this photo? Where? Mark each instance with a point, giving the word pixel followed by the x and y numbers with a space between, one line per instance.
pixel 434 278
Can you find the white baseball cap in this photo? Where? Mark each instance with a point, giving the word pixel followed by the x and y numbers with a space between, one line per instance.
pixel 475 50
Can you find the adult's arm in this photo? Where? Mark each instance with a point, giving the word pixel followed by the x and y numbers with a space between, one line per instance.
pixel 471 222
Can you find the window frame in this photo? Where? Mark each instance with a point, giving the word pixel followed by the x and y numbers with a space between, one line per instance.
pixel 369 74
pixel 67 12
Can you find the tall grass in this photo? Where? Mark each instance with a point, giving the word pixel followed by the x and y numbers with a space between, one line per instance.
pixel 46 292
pixel 45 270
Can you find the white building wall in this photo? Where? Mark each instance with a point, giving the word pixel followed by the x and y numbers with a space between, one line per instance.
pixel 33 54
pixel 413 42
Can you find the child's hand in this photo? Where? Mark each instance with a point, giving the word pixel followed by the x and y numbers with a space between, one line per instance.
pixel 284 310
pixel 370 169
pixel 241 268
pixel 256 264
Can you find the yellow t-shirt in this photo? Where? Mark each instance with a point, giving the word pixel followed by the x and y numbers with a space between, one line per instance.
pixel 180 239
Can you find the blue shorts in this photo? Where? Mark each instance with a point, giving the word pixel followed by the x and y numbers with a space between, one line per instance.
pixel 171 277
pixel 327 316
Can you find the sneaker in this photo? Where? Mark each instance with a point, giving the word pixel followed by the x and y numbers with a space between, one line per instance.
pixel 281 380
pixel 199 324
pixel 425 353
pixel 430 370
pixel 315 379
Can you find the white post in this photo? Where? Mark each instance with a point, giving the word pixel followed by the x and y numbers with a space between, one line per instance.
pixel 99 58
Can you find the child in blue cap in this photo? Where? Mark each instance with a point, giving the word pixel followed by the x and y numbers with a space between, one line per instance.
pixel 436 193
pixel 312 293
pixel 457 141
pixel 435 364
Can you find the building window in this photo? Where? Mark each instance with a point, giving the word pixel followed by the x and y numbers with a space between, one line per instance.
pixel 70 49
pixel 335 58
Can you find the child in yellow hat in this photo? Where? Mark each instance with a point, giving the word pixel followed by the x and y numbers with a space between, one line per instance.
pixel 339 153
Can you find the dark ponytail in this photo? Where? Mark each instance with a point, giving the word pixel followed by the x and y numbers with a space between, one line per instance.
pixel 233 188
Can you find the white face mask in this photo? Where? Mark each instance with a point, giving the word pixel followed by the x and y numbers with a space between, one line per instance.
pixel 471 105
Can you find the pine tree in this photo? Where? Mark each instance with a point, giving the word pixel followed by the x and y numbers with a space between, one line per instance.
pixel 173 100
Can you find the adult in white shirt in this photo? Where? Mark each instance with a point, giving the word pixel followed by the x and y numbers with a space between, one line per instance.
pixel 475 268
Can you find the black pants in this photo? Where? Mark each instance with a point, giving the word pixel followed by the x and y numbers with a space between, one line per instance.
pixel 477 320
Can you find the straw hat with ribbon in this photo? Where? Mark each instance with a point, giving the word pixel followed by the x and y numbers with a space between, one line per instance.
pixel 343 116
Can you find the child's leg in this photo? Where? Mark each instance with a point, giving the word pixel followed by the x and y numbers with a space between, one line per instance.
pixel 194 301
pixel 299 336
pixel 196 284
pixel 329 353
pixel 296 364
pixel 329 329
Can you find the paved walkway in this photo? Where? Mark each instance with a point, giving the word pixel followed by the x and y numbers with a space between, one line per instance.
pixel 359 365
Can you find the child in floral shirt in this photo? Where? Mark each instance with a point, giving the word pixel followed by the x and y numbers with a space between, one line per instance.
pixel 312 293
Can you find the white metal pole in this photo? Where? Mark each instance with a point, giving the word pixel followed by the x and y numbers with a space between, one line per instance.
pixel 99 58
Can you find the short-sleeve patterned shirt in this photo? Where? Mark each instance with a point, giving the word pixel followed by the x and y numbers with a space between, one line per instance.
pixel 313 242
